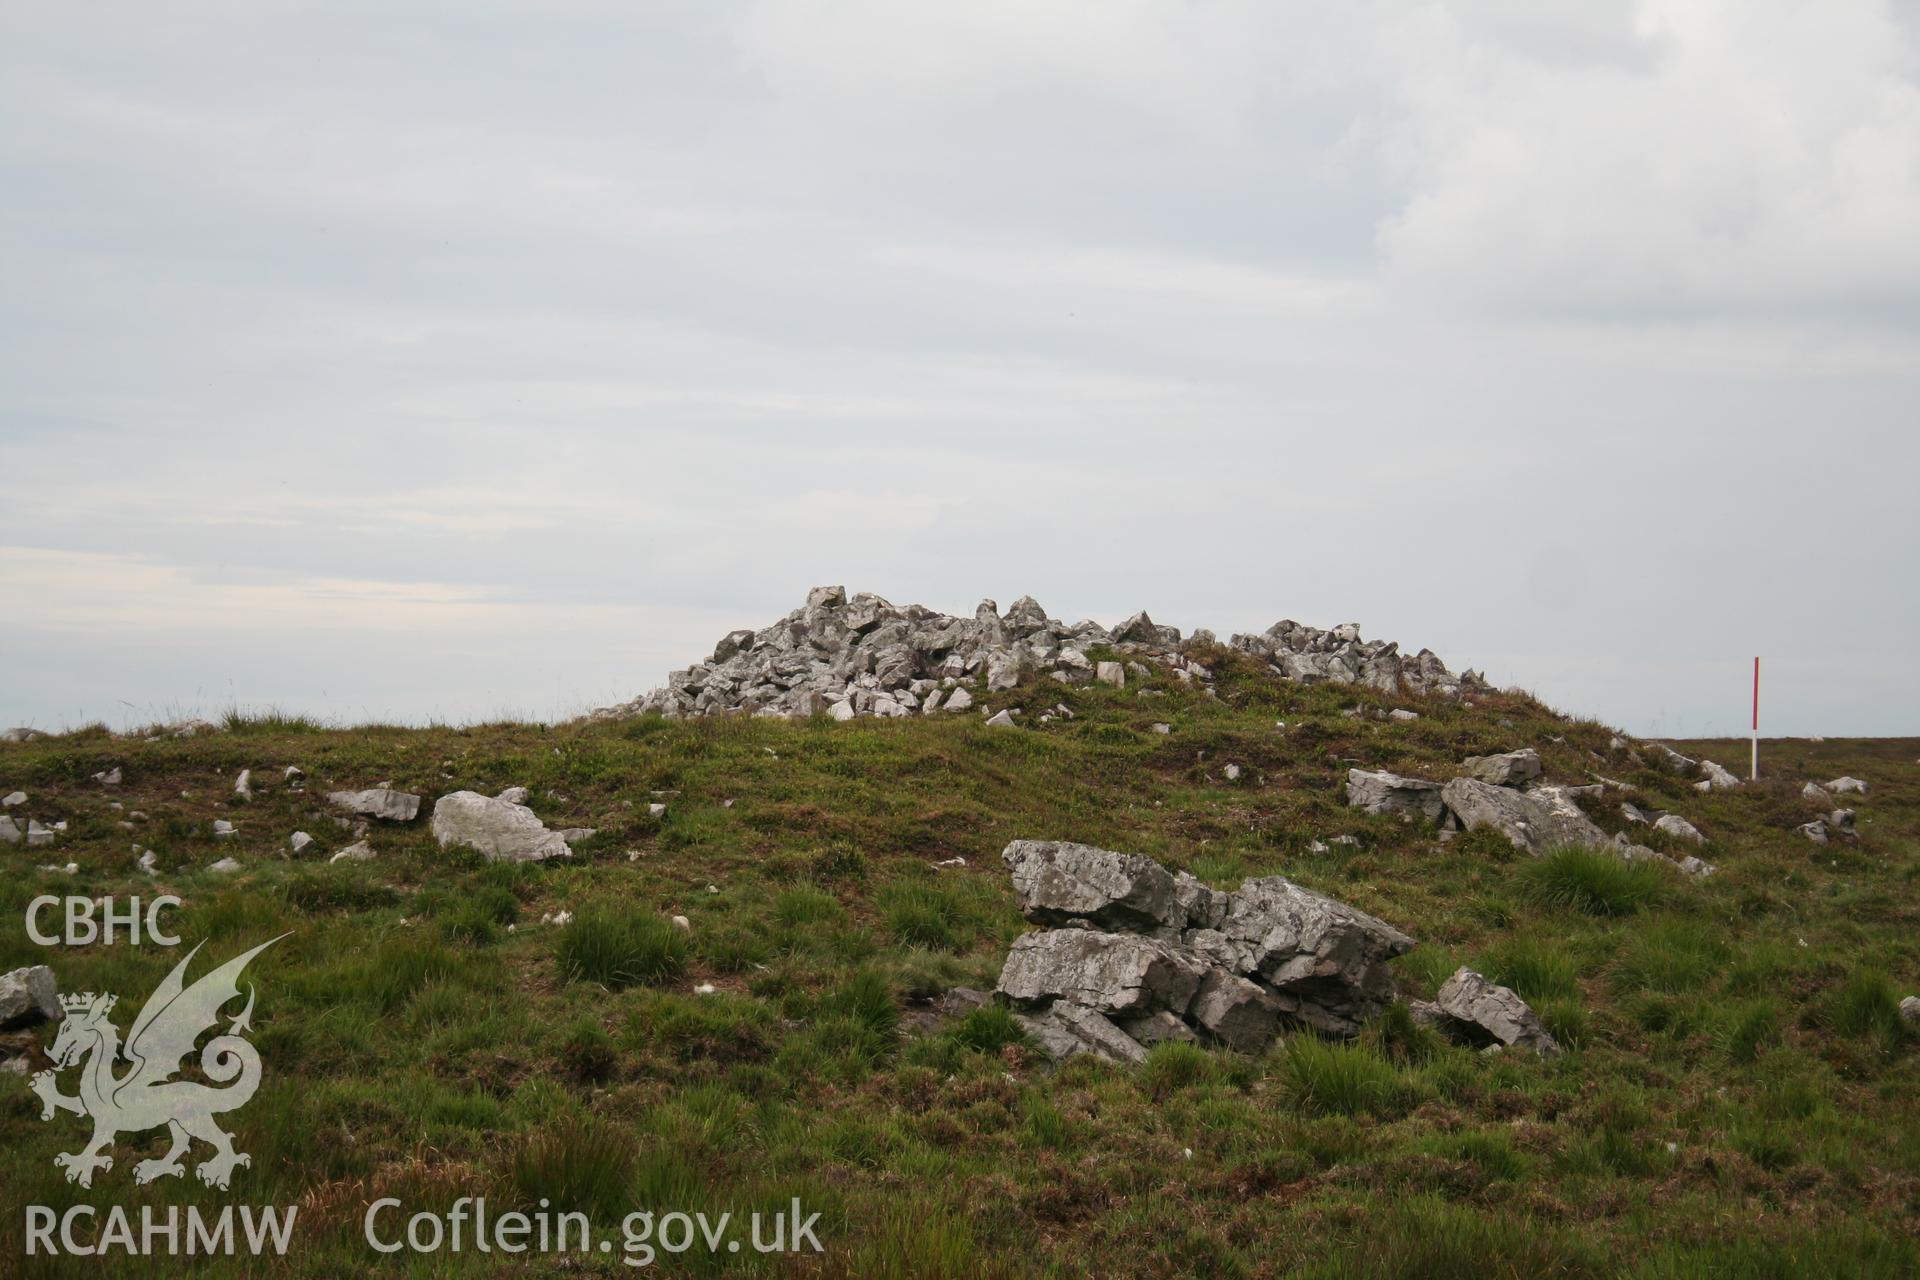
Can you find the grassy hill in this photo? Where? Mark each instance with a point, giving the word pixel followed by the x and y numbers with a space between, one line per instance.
pixel 1740 1098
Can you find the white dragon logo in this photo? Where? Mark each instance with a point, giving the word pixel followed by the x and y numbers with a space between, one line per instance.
pixel 174 1017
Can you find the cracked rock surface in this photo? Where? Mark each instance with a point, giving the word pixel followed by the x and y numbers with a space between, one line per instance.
pixel 1142 954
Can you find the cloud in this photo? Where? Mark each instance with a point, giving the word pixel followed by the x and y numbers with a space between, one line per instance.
pixel 1727 157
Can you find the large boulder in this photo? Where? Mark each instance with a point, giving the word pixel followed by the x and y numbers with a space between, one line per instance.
pixel 1377 791
pixel 1324 961
pixel 497 828
pixel 1110 972
pixel 1056 881
pixel 377 802
pixel 1508 769
pixel 28 996
pixel 1532 822
pixel 1474 1010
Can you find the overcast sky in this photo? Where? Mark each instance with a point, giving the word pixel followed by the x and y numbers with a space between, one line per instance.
pixel 394 361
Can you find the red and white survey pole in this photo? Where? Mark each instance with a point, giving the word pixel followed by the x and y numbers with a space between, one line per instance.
pixel 1753 772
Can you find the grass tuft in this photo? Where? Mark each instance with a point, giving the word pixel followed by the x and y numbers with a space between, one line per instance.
pixel 617 946
pixel 1592 881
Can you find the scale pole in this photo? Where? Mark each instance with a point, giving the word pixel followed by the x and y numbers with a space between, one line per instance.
pixel 1753 772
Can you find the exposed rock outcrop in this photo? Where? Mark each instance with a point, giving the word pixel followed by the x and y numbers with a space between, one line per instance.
pixel 498 828
pixel 377 802
pixel 863 656
pixel 1509 769
pixel 1377 791
pixel 1532 814
pixel 1149 955
pixel 1473 1010
pixel 28 996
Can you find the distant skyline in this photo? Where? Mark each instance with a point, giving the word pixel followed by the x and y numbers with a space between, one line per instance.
pixel 459 362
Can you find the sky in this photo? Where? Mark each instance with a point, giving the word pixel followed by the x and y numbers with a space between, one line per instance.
pixel 459 361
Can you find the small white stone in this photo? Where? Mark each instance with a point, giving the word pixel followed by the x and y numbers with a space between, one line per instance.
pixel 705 989
pixel 14 798
pixel 657 810
pixel 243 785
pixel 226 866
pixel 683 924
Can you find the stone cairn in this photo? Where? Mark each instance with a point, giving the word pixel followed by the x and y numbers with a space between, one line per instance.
pixel 866 657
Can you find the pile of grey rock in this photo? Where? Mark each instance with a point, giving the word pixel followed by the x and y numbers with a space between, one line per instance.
pixel 1507 793
pixel 863 656
pixel 1134 955
pixel 1834 821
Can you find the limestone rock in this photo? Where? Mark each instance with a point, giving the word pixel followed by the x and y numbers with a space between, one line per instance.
pixel 1673 761
pixel 864 653
pixel 500 830
pixel 1847 786
pixel 28 996
pixel 1675 825
pixel 1531 822
pixel 1818 794
pixel 1000 720
pixel 1325 962
pixel 359 851
pixel 1108 972
pixel 1478 1011
pixel 1066 1030
pixel 1236 1011
pixel 1717 778
pixel 1509 769
pixel 1058 881
pixel 1910 1011
pixel 377 802
pixel 1382 792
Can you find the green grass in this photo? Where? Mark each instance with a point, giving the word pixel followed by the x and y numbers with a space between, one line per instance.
pixel 1326 1078
pixel 426 1036
pixel 1594 881
pixel 618 945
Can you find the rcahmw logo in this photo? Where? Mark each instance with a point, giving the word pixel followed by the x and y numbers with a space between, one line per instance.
pixel 145 1096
